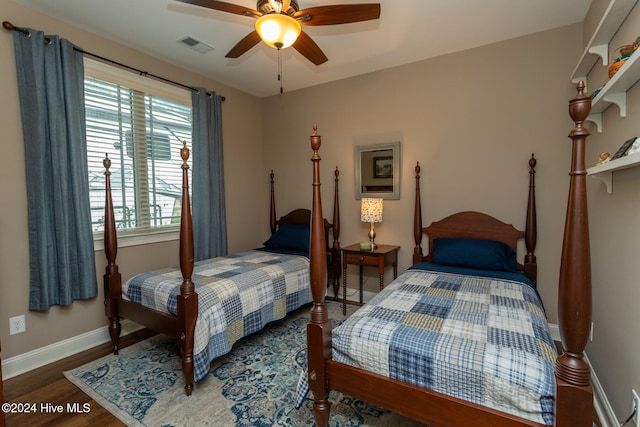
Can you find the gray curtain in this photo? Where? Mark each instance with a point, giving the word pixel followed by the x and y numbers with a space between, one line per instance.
pixel 51 88
pixel 208 206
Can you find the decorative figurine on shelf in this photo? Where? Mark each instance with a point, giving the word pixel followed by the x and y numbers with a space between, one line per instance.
pixel 624 148
pixel 635 147
pixel 628 49
pixel 625 53
pixel 604 158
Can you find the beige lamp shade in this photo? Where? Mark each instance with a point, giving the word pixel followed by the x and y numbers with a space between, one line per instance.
pixel 371 210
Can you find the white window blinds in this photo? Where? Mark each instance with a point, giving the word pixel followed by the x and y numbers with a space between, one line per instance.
pixel 142 129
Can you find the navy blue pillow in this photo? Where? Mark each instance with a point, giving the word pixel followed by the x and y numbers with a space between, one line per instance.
pixel 473 253
pixel 290 236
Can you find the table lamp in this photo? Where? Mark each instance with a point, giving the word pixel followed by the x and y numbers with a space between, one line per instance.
pixel 371 211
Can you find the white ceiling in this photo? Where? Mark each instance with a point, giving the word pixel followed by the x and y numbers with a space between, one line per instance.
pixel 407 31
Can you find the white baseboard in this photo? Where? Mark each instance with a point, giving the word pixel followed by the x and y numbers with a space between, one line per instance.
pixel 353 294
pixel 555 331
pixel 601 403
pixel 26 362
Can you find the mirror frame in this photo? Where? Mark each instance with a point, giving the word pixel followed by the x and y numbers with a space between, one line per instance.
pixel 359 150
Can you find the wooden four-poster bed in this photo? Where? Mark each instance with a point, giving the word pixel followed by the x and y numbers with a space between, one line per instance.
pixel 209 305
pixel 564 400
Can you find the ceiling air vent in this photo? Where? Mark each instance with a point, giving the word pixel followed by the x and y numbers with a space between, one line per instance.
pixel 196 45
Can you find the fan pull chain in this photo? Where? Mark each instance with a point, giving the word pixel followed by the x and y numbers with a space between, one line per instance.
pixel 280 70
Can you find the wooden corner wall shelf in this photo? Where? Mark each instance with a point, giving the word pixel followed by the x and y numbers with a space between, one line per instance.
pixel 598 46
pixel 605 171
pixel 615 90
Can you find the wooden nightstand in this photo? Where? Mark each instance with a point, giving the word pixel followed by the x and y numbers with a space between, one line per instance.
pixel 379 257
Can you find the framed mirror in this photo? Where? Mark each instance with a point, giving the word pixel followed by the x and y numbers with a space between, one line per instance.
pixel 377 171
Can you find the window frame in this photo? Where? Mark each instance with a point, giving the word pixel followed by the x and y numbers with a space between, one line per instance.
pixel 100 70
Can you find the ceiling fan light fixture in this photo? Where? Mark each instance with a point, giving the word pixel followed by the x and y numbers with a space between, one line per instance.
pixel 278 30
pixel 280 5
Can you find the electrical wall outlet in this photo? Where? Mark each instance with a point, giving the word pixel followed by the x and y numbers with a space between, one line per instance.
pixel 636 408
pixel 17 325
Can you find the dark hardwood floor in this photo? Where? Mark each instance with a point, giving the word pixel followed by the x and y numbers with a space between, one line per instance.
pixel 47 385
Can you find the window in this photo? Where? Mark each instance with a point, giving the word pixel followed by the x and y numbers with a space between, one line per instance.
pixel 141 125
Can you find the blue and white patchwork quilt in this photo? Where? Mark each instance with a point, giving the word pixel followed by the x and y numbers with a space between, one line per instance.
pixel 237 295
pixel 482 339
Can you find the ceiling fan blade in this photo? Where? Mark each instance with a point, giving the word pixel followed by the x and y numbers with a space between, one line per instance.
pixel 224 7
pixel 338 14
pixel 249 41
pixel 309 49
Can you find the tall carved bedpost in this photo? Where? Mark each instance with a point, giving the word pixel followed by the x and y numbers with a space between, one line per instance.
pixel 417 220
pixel 574 295
pixel 187 301
pixel 335 250
pixel 272 209
pixel 319 328
pixel 531 230
pixel 112 278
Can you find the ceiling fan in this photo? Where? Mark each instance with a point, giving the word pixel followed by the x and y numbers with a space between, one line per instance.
pixel 279 23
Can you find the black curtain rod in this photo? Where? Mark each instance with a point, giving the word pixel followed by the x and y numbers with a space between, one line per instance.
pixel 9 26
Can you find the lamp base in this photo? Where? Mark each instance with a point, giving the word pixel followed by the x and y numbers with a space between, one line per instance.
pixel 372 236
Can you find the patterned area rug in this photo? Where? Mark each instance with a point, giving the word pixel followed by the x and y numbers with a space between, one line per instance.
pixel 254 385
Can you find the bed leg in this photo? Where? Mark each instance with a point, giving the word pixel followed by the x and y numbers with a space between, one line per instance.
pixel 316 338
pixel 321 412
pixel 319 351
pixel 335 271
pixel 112 287
pixel 580 399
pixel 187 313
pixel 114 332
pixel 187 369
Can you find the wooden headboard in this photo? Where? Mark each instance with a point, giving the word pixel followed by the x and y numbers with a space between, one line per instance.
pixel 303 217
pixel 477 225
pixel 472 225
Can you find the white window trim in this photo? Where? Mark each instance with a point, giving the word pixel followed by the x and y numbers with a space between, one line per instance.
pixel 101 70
pixel 123 77
pixel 139 239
